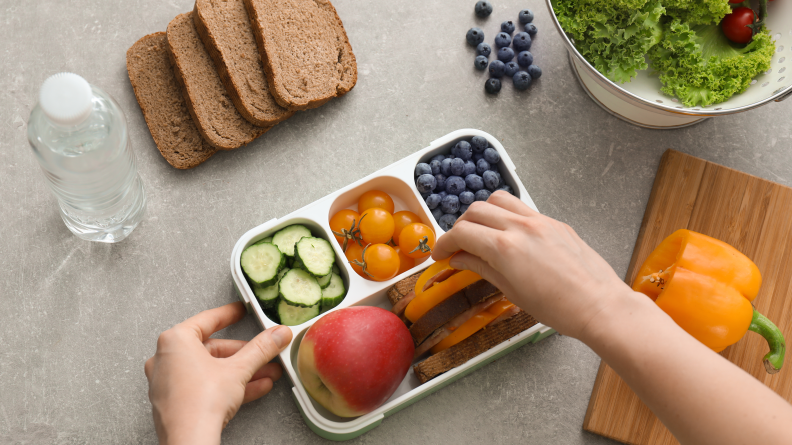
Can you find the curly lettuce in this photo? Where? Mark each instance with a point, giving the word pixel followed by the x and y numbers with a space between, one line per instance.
pixel 702 67
pixel 613 35
pixel 697 12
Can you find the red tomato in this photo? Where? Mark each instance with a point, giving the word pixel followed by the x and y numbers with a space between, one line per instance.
pixel 375 198
pixel 735 25
pixel 401 220
pixel 417 240
pixel 344 226
pixel 376 226
pixel 405 263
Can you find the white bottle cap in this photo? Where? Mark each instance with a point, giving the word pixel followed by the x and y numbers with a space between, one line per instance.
pixel 66 98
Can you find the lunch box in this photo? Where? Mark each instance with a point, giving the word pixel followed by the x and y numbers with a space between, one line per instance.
pixel 398 181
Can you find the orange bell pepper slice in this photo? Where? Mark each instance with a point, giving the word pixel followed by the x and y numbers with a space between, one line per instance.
pixel 475 324
pixel 426 299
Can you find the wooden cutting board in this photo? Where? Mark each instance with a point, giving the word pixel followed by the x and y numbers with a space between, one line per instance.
pixel 755 216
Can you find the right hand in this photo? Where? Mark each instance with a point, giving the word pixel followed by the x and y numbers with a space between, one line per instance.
pixel 540 264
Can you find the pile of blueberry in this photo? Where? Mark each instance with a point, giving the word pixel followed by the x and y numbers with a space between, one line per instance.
pixel 523 71
pixel 450 183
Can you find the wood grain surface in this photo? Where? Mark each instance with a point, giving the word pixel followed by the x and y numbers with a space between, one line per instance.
pixel 753 215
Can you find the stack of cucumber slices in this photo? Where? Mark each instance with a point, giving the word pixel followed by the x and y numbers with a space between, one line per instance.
pixel 293 275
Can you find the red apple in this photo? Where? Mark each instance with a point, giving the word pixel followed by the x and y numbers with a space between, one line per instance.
pixel 352 360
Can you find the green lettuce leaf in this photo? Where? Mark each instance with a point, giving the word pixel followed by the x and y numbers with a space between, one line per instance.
pixel 697 12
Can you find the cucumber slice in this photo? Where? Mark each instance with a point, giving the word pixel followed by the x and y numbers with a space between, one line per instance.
pixel 297 264
pixel 261 263
pixel 268 296
pixel 265 240
pixel 324 281
pixel 336 269
pixel 334 293
pixel 316 255
pixel 272 314
pixel 287 237
pixel 299 288
pixel 292 315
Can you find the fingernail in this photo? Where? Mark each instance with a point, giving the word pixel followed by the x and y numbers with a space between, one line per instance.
pixel 280 336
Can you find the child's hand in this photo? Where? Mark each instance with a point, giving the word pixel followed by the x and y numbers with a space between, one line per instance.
pixel 197 383
pixel 540 264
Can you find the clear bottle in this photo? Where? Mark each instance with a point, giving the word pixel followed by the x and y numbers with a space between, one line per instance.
pixel 80 138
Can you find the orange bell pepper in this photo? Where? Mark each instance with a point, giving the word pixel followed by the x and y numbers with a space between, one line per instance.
pixel 707 286
pixel 439 291
pixel 475 324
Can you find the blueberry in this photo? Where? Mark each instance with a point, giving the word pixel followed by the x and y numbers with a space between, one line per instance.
pixel 450 204
pixel 433 200
pixel 535 72
pixel 463 208
pixel 445 166
pixel 477 157
pixel 511 68
pixel 491 180
pixel 525 58
pixel 522 41
pixel 426 183
pixel 474 182
pixel 483 49
pixel 438 158
pixel 507 27
pixel 425 195
pixel 492 156
pixel 437 212
pixel 443 194
pixel 435 166
pixel 505 55
pixel 483 195
pixel 479 144
pixel 447 222
pixel 474 36
pixel 422 169
pixel 496 69
pixel 463 150
pixel 483 8
pixel 457 167
pixel 455 185
pixel 441 182
pixel 502 40
pixel 522 80
pixel 492 86
pixel 507 189
pixel 467 197
pixel 470 168
pixel 480 63
pixel 481 166
pixel 525 16
pixel 530 28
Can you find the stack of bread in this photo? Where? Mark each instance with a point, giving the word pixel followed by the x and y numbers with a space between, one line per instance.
pixel 227 72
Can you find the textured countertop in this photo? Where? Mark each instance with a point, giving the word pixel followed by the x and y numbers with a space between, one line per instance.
pixel 78 319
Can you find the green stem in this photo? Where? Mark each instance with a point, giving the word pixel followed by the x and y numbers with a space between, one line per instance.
pixel 774 359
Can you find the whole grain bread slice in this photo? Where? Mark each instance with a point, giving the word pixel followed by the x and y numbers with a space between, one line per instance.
pixel 224 28
pixel 213 111
pixel 306 53
pixel 162 104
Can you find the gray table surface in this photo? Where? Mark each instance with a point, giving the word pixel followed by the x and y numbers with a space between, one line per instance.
pixel 79 319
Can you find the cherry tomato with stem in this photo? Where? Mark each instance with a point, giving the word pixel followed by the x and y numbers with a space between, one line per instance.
pixel 405 263
pixel 735 25
pixel 344 227
pixel 354 255
pixel 375 198
pixel 376 226
pixel 417 240
pixel 401 220
pixel 380 262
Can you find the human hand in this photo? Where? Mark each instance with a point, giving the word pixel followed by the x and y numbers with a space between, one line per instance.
pixel 197 383
pixel 540 264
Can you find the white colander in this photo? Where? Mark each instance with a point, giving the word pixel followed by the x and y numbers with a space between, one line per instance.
pixel 642 103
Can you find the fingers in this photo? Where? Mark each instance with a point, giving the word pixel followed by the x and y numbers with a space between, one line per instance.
pixel 210 321
pixel 468 236
pixel 262 349
pixel 147 368
pixel 257 389
pixel 467 261
pixel 488 215
pixel 222 348
pixel 511 203
pixel 271 370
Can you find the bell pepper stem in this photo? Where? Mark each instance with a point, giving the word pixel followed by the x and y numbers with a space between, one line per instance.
pixel 774 359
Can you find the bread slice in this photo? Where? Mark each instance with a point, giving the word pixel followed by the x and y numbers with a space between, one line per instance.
pixel 162 104
pixel 306 53
pixel 225 31
pixel 213 111
pixel 480 342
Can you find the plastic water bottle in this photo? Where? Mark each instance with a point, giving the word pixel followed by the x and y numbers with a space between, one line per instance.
pixel 79 135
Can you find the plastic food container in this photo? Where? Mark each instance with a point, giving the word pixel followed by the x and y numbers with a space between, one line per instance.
pixel 398 181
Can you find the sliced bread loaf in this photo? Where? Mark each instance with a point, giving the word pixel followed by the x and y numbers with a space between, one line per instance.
pixel 225 31
pixel 163 106
pixel 306 53
pixel 215 114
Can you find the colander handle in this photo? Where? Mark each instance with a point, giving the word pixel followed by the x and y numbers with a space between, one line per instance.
pixel 785 96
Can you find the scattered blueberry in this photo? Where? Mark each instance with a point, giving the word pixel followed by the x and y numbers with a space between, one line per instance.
pixel 535 71
pixel 463 208
pixel 426 183
pixel 463 150
pixel 492 156
pixel 522 80
pixel 438 158
pixel 511 68
pixel 474 182
pixel 501 40
pixel 479 144
pixel 467 197
pixel 455 185
pixel 446 222
pixel 480 62
pixel 470 168
pixel 450 204
pixel 483 8
pixel 530 28
pixel 491 180
pixel 457 167
pixel 507 27
pixel 522 41
pixel 433 200
pixel 481 166
pixel 497 69
pixel 422 169
pixel 505 54
pixel 445 166
pixel 483 195
pixel 437 212
pixel 435 166
pixel 441 182
pixel 443 194
pixel 493 86
pixel 507 189
pixel 475 36
pixel 525 58
pixel 525 16
pixel 483 49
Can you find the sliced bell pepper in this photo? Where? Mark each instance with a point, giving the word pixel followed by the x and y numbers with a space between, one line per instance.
pixel 707 286
pixel 475 324
pixel 426 299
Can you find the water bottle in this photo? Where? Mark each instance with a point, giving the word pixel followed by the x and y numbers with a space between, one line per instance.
pixel 79 135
